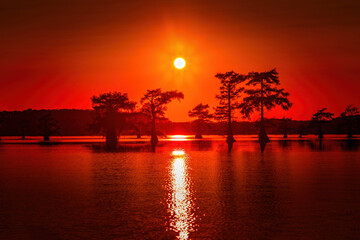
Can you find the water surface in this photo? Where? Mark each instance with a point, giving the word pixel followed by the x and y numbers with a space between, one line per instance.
pixel 194 190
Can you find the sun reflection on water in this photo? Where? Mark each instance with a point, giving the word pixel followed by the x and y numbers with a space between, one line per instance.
pixel 180 197
pixel 178 153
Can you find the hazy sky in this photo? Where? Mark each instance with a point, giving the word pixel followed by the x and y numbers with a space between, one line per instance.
pixel 58 53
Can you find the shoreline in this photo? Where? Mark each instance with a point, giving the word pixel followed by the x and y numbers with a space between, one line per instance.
pixel 130 140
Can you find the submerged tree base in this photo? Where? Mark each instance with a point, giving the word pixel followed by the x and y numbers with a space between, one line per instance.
pixel 198 136
pixel 263 139
pixel 230 142
pixel 154 141
pixel 111 145
pixel 111 140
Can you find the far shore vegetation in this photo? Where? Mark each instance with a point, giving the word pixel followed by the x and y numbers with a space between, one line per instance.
pixel 241 96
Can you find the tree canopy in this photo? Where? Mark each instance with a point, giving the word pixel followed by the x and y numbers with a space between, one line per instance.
pixel 112 102
pixel 154 102
pixel 322 116
pixel 229 94
pixel 265 92
pixel 201 112
pixel 350 111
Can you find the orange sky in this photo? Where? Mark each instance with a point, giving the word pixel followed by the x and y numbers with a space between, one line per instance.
pixel 57 54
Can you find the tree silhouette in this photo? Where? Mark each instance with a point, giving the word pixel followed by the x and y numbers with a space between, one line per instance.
pixel 349 114
pixel 229 100
pixel 24 122
pixel 48 126
pixel 24 125
pixel 264 94
pixel 154 104
pixel 302 129
pixel 321 116
pixel 108 107
pixel 285 122
pixel 202 115
pixel 138 123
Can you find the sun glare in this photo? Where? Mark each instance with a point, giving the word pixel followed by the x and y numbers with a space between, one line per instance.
pixel 179 63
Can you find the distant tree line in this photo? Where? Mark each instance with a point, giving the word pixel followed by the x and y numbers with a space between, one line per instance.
pixel 72 122
pixel 44 123
pixel 241 95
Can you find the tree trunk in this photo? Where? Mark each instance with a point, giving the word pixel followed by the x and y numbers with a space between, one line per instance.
pixel 349 135
pixel 138 132
pixel 46 138
pixel 198 136
pixel 110 132
pixel 230 138
pixel 154 139
pixel 199 129
pixel 321 135
pixel 111 139
pixel 263 138
pixel 23 134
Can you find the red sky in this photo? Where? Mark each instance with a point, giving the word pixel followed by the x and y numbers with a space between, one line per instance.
pixel 57 54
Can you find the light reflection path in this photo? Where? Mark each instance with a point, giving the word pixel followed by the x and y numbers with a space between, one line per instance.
pixel 180 202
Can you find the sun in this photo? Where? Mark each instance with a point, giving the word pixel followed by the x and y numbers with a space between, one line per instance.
pixel 179 63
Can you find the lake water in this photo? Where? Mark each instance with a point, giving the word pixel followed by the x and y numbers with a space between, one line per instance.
pixel 185 190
